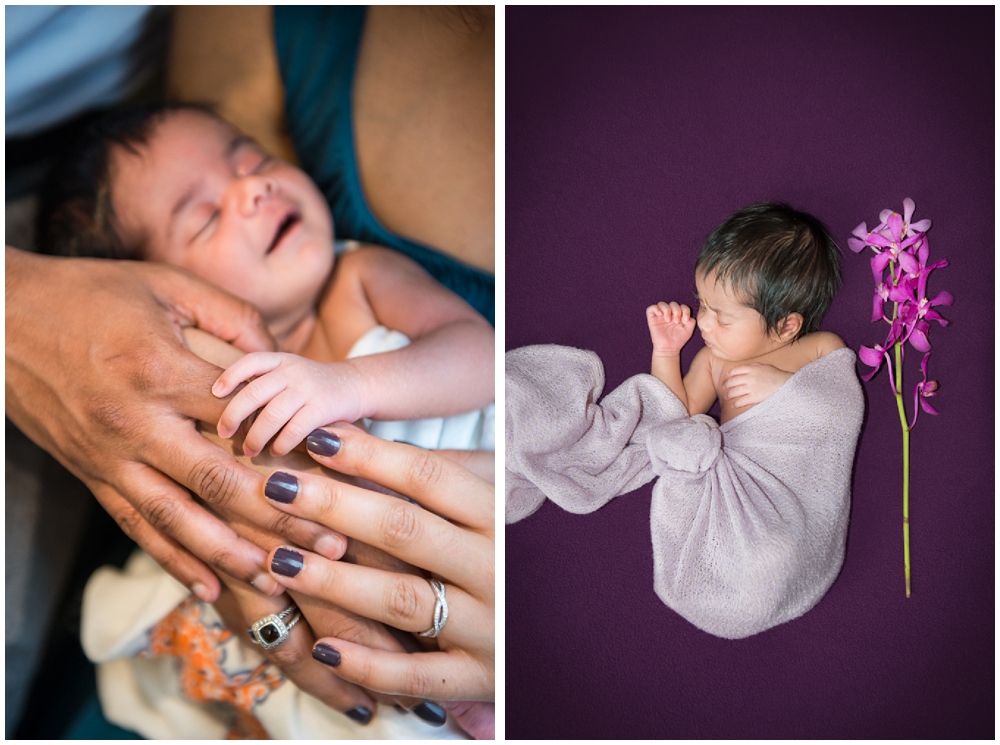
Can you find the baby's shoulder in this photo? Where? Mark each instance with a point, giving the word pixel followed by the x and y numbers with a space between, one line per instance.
pixel 821 343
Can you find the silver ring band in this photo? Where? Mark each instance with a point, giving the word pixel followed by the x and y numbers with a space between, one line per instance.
pixel 270 631
pixel 440 610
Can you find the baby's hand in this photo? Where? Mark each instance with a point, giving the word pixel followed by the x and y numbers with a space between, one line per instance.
pixel 297 396
pixel 670 326
pixel 752 383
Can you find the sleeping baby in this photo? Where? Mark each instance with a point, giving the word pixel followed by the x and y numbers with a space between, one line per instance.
pixel 765 277
pixel 749 515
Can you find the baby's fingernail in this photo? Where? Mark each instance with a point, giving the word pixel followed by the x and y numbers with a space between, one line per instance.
pixel 331 547
pixel 323 443
pixel 431 713
pixel 360 714
pixel 217 389
pixel 266 584
pixel 282 487
pixel 201 592
pixel 326 654
pixel 286 562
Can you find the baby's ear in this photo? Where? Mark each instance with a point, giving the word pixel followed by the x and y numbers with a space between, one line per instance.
pixel 789 326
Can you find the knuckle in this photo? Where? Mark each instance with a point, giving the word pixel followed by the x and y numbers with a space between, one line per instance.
pixel 400 527
pixel 283 524
pixel 150 372
pixel 286 655
pixel 222 557
pixel 402 601
pixel 163 512
pixel 423 470
pixel 417 681
pixel 215 481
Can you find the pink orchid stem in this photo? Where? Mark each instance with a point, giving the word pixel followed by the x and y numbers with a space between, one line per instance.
pixel 898 391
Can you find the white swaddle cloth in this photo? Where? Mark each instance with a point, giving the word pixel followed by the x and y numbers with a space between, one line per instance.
pixel 748 519
pixel 145 694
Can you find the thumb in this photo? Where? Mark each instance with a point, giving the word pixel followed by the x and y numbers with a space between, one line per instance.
pixel 199 303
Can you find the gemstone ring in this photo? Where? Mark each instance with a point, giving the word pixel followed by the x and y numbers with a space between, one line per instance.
pixel 270 631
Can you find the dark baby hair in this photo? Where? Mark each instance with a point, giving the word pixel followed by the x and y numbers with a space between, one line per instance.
pixel 75 214
pixel 778 260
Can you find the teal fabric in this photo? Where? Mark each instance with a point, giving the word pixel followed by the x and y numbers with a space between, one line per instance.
pixel 317 49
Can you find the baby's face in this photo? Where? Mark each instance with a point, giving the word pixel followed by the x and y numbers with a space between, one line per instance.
pixel 203 197
pixel 732 330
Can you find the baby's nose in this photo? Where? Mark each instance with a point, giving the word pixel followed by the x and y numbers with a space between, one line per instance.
pixel 252 190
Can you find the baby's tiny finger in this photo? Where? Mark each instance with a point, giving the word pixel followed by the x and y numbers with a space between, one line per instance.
pixel 243 369
pixel 253 396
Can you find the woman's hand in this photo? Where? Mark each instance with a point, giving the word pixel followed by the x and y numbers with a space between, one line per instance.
pixel 451 537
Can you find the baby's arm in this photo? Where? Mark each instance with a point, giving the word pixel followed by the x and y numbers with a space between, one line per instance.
pixel 670 328
pixel 447 369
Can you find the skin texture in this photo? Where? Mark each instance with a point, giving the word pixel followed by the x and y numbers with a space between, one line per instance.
pixel 742 363
pixel 458 512
pixel 240 604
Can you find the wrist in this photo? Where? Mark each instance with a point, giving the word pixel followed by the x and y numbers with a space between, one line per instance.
pixel 667 353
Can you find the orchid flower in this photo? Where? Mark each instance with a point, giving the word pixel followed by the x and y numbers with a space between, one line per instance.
pixel 900 269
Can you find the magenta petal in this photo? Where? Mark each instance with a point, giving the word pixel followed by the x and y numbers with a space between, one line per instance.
pixel 919 341
pixel 942 298
pixel 927 407
pixel 921 226
pixel 856 245
pixel 901 294
pixel 908 207
pixel 895 222
pixel 879 262
pixel 923 365
pixel 924 251
pixel 861 231
pixel 877 313
pixel 884 217
pixel 909 264
pixel 933 315
pixel 871 357
pixel 875 239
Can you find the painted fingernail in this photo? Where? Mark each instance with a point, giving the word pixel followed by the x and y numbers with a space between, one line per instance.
pixel 282 487
pixel 431 713
pixel 326 654
pixel 360 714
pixel 286 562
pixel 323 443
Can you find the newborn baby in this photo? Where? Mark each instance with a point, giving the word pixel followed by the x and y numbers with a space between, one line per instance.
pixel 765 277
pixel 748 518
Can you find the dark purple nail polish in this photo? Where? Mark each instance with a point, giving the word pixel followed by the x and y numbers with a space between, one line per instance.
pixel 323 443
pixel 326 654
pixel 282 487
pixel 360 714
pixel 431 713
pixel 286 562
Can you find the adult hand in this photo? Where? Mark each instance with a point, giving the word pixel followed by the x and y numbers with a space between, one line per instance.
pixel 451 537
pixel 98 375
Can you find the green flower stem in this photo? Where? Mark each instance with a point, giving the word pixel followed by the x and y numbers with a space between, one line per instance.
pixel 906 444
pixel 906 465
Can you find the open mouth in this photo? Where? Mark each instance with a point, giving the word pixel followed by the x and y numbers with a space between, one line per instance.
pixel 290 221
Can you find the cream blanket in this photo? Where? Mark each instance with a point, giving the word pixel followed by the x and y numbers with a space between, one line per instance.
pixel 749 519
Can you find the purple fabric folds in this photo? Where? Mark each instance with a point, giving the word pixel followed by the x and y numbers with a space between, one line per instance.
pixel 748 519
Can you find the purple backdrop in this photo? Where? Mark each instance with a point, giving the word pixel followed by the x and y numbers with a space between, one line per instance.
pixel 630 135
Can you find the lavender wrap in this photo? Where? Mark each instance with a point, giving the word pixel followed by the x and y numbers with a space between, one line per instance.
pixel 748 519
